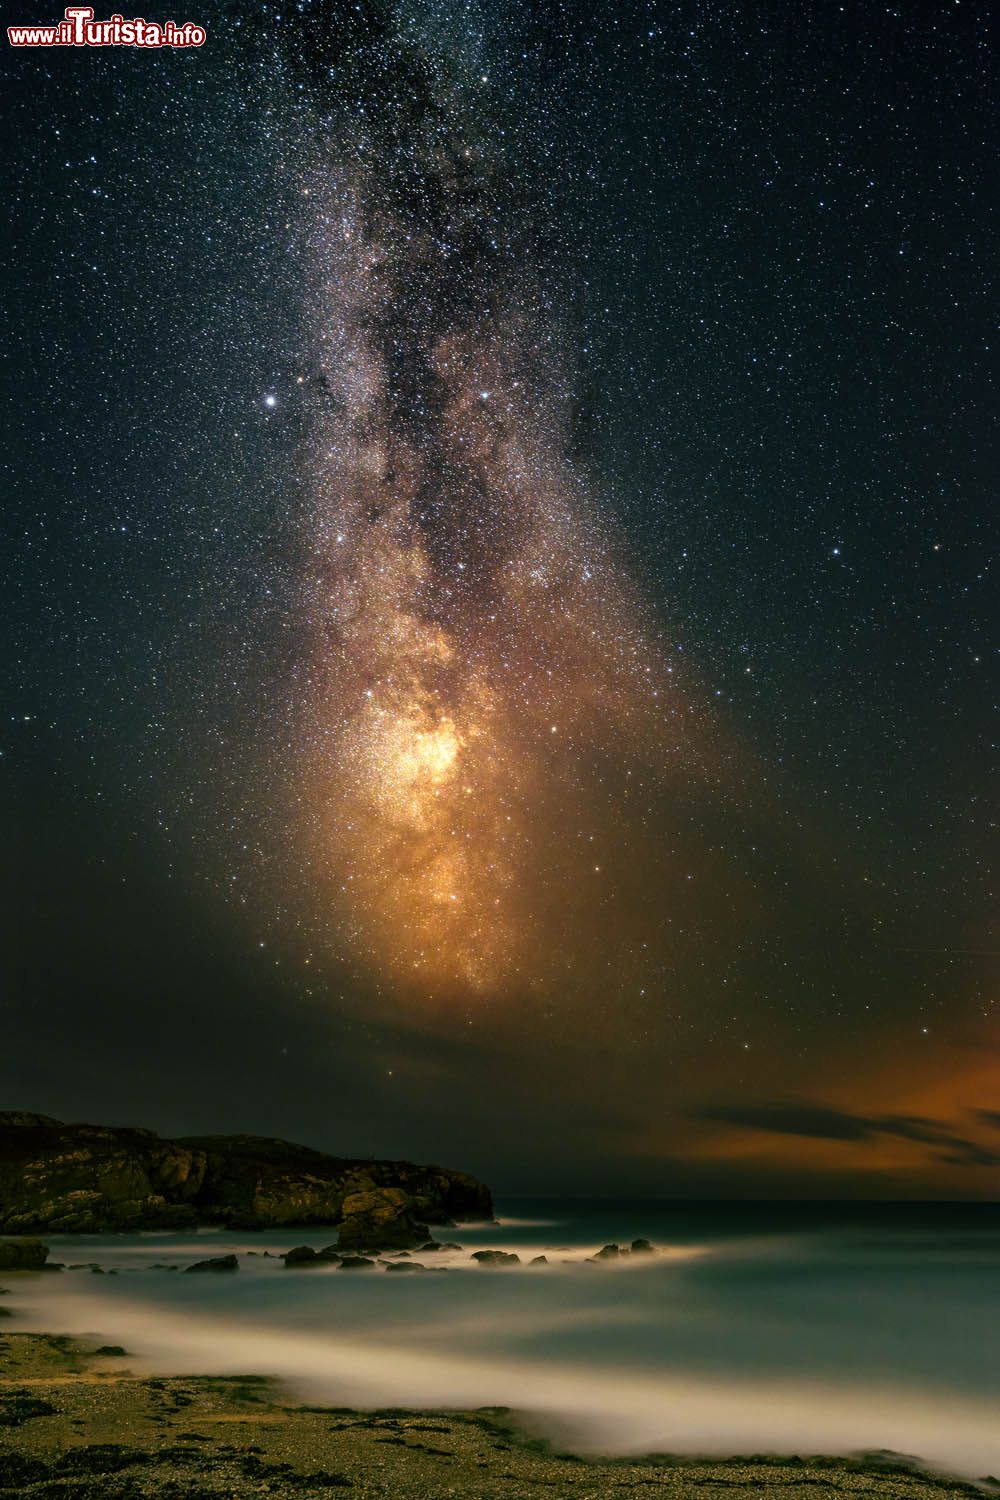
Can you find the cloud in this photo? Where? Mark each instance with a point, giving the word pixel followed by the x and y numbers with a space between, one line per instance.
pixel 820 1122
pixel 813 1120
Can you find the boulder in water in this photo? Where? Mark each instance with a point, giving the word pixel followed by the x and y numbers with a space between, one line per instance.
pixel 300 1255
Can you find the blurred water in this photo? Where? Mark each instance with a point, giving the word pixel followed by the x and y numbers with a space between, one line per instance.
pixel 757 1327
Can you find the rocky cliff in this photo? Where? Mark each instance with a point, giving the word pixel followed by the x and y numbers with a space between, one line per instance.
pixel 57 1179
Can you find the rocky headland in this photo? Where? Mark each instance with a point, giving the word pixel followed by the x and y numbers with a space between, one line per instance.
pixel 58 1178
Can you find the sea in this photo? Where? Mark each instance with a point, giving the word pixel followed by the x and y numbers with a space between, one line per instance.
pixel 755 1328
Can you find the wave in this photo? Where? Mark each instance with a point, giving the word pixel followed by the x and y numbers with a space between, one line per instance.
pixel 615 1409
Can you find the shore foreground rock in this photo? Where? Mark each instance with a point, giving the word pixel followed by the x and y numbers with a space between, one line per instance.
pixel 61 1178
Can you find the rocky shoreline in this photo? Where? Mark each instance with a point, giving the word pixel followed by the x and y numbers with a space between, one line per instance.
pixel 29 1254
pixel 383 1257
pixel 76 1424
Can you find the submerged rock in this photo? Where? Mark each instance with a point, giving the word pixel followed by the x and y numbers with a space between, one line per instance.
pixel 355 1262
pixel 642 1247
pixel 539 1260
pixel 217 1263
pixel 496 1258
pixel 304 1255
pixel 23 1255
pixel 404 1265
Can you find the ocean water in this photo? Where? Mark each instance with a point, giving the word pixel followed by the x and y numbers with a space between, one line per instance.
pixel 756 1328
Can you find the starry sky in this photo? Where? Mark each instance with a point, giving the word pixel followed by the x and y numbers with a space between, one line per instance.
pixel 497 658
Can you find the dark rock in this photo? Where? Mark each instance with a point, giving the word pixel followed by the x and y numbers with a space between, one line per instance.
pixel 642 1247
pixel 355 1262
pixel 539 1260
pixel 5 1312
pixel 20 1406
pixel 496 1258
pixel 97 1179
pixel 23 1255
pixel 404 1265
pixel 110 1349
pixel 300 1255
pixel 217 1263
pixel 609 1252
pixel 100 1459
pixel 303 1256
pixel 17 1472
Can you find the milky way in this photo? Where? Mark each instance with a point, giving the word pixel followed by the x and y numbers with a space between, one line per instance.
pixel 483 690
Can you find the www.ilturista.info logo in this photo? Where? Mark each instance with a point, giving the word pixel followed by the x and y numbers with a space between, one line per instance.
pixel 79 29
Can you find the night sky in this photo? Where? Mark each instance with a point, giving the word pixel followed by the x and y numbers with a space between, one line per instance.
pixel 497 658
